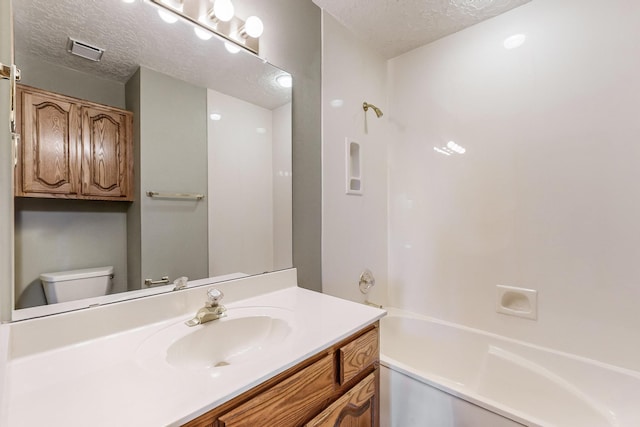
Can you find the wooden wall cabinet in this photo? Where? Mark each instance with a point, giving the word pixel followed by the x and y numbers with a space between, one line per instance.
pixel 73 149
pixel 337 388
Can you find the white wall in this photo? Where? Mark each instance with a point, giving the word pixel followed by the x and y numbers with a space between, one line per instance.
pixel 354 228
pixel 546 195
pixel 240 186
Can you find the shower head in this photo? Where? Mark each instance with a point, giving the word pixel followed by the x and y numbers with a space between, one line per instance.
pixel 366 107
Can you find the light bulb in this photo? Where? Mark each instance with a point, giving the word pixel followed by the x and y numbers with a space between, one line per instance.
pixel 253 27
pixel 223 9
pixel 215 116
pixel 285 80
pixel 167 17
pixel 202 34
pixel 231 48
pixel 128 1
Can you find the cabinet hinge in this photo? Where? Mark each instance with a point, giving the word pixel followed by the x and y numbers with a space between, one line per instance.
pixel 15 137
pixel 5 72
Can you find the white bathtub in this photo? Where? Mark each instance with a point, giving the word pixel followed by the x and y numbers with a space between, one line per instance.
pixel 515 381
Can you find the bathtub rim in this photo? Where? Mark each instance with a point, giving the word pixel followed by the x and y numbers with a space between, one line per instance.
pixel 460 391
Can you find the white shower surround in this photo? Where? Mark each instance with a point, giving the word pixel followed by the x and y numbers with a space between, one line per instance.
pixel 546 195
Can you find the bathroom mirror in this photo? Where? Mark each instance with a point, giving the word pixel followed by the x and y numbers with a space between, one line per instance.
pixel 206 121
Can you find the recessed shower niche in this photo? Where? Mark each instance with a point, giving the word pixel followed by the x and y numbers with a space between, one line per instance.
pixel 354 167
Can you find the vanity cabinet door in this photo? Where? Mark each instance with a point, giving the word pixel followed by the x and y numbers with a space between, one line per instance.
pixel 50 137
pixel 356 408
pixel 105 158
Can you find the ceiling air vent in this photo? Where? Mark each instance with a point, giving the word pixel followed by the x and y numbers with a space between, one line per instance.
pixel 84 50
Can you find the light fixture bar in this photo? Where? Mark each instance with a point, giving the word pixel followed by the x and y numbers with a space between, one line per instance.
pixel 223 30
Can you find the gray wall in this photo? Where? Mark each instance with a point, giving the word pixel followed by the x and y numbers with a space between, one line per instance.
pixel 292 40
pixel 53 77
pixel 58 235
pixel 134 224
pixel 6 173
pixel 173 158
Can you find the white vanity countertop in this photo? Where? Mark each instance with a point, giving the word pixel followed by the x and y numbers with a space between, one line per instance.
pixel 106 382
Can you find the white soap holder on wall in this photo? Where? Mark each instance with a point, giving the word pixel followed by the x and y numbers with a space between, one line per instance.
pixel 353 157
pixel 519 302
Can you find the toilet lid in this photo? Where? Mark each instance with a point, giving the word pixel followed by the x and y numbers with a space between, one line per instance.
pixel 85 273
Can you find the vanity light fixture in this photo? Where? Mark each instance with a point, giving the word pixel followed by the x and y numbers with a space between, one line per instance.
pixel 167 17
pixel 231 48
pixel 222 10
pixel 202 33
pixel 219 20
pixel 285 80
pixel 252 28
pixel 174 4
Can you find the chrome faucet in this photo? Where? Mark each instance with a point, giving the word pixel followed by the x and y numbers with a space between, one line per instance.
pixel 212 309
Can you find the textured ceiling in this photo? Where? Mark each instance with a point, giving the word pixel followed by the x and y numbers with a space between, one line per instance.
pixel 132 35
pixel 393 27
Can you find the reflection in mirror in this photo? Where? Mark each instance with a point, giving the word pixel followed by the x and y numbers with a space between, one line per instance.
pixel 205 121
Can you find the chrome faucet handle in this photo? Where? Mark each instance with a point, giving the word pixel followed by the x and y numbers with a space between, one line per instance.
pixel 212 309
pixel 180 283
pixel 214 296
pixel 367 281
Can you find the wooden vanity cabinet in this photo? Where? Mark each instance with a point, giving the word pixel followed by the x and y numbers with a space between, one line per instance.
pixel 314 393
pixel 71 148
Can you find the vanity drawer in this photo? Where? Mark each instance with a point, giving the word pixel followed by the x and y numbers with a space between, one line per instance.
pixel 355 407
pixel 357 355
pixel 289 402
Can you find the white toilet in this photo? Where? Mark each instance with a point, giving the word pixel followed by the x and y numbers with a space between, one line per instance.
pixel 72 285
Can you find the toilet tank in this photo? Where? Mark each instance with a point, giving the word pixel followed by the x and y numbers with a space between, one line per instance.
pixel 72 285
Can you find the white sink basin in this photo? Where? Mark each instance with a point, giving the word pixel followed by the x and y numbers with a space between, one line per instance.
pixel 245 335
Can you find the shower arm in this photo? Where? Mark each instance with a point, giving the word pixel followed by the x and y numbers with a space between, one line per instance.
pixel 366 106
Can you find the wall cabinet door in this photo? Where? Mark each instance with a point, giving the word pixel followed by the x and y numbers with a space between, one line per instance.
pixel 105 169
pixel 73 148
pixel 50 139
